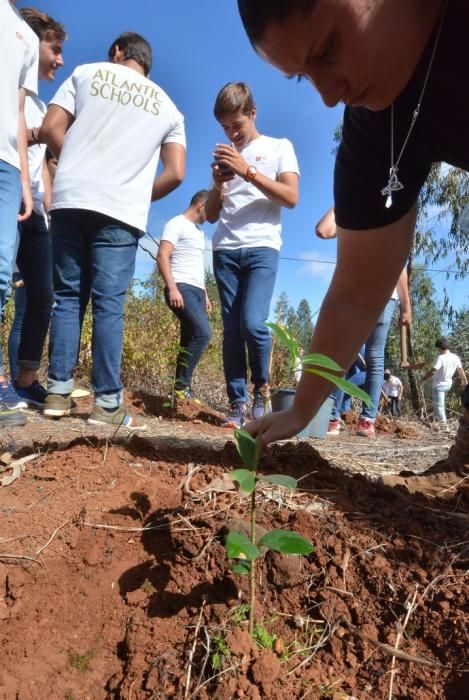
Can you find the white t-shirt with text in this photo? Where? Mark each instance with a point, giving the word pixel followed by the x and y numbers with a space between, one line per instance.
pixel 248 219
pixel 446 365
pixel 111 151
pixel 187 258
pixel 35 111
pixel 18 69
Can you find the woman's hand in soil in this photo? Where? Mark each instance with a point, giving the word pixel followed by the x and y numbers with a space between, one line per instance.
pixel 276 426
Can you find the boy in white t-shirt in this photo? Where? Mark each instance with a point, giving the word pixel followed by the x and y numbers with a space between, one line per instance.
pixel 444 367
pixel 34 299
pixel 254 176
pixel 107 124
pixel 18 77
pixel 393 389
pixel 181 262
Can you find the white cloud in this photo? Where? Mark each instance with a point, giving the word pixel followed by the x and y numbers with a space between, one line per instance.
pixel 317 265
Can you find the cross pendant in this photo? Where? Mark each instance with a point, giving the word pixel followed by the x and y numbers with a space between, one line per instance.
pixel 394 185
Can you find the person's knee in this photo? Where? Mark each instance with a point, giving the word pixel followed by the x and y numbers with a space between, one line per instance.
pixel 255 330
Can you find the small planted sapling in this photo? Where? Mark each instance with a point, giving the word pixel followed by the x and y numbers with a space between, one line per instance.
pixel 246 550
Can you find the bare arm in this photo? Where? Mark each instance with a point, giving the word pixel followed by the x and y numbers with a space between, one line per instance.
pixel 54 127
pixel 173 157
pixel 358 293
pixel 164 266
pixel 405 306
pixel 326 227
pixel 47 180
pixel 462 376
pixel 282 191
pixel 23 155
pixel 215 199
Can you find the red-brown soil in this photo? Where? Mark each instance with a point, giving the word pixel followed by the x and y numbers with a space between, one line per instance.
pixel 128 581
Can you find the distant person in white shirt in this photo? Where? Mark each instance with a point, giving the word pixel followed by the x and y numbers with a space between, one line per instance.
pixel 34 299
pixel 254 176
pixel 393 388
pixel 444 367
pixel 182 266
pixel 108 124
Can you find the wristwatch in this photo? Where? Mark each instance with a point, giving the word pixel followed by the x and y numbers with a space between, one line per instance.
pixel 251 173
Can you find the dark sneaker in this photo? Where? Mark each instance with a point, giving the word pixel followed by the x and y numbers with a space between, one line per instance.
pixel 9 397
pixel 366 428
pixel 260 405
pixel 117 417
pixel 186 394
pixel 34 394
pixel 8 418
pixel 236 416
pixel 59 405
pixel 334 427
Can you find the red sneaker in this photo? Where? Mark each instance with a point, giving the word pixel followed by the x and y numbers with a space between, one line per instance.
pixel 334 427
pixel 366 428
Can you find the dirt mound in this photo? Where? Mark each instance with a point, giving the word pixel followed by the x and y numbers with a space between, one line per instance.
pixel 383 424
pixel 115 582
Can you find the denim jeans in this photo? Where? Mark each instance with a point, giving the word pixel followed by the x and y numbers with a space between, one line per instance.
pixel 245 279
pixel 395 406
pixel 10 201
pixel 33 302
pixel 374 358
pixel 439 398
pixel 195 331
pixel 341 399
pixel 94 257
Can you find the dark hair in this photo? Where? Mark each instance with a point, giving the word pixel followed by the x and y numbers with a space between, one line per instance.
pixel 232 98
pixel 46 28
pixel 442 344
pixel 256 15
pixel 133 46
pixel 200 196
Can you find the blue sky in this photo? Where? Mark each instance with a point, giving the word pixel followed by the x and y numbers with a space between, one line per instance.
pixel 198 47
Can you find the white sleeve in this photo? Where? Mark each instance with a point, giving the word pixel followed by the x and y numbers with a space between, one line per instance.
pixel 287 160
pixel 438 362
pixel 65 96
pixel 177 132
pixel 171 232
pixel 30 71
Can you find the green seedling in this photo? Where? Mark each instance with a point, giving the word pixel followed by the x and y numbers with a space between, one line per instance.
pixel 244 550
pixel 310 363
pixel 80 662
pixel 181 362
pixel 263 637
pixel 220 652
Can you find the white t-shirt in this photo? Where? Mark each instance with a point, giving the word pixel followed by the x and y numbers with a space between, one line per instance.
pixel 110 153
pixel 18 69
pixel 446 365
pixel 187 258
pixel 392 387
pixel 35 111
pixel 248 219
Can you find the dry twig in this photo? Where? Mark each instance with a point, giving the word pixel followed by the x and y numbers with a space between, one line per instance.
pixel 192 652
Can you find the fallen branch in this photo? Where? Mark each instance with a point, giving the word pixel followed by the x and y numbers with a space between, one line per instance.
pixel 192 652
pixel 41 549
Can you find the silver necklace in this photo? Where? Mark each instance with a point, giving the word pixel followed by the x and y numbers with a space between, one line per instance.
pixel 394 184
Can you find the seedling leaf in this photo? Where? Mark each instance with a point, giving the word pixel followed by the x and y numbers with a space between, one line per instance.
pixel 319 360
pixel 286 541
pixel 343 384
pixel 245 478
pixel 287 482
pixel 241 567
pixel 238 545
pixel 247 448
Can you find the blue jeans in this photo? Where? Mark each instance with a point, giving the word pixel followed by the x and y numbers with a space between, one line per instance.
pixel 439 398
pixel 342 400
pixel 94 257
pixel 372 380
pixel 33 302
pixel 245 279
pixel 10 202
pixel 195 331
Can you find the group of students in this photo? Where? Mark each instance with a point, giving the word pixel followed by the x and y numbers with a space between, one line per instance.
pixel 404 110
pixel 98 209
